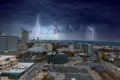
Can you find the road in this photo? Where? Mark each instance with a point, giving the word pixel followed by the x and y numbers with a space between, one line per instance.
pixel 33 72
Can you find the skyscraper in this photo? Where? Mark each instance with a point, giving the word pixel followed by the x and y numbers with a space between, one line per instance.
pixel 90 48
pixel 79 46
pixel 8 43
pixel 87 48
pixel 25 36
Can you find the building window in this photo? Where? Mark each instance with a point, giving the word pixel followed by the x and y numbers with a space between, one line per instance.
pixel 7 59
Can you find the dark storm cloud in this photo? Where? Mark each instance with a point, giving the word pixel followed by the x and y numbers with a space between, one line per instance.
pixel 103 14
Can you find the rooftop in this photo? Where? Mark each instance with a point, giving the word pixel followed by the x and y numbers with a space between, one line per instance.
pixel 19 68
pixel 3 57
pixel 54 53
pixel 37 49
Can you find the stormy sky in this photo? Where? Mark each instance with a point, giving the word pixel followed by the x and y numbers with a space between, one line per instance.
pixel 70 18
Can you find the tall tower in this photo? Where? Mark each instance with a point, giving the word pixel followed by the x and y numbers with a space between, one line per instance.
pixel 25 36
pixel 90 48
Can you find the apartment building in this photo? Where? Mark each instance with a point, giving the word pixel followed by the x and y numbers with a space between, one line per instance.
pixel 7 62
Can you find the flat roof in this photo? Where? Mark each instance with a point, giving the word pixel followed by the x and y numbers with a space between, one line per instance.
pixel 73 78
pixel 19 68
pixel 3 57
pixel 50 53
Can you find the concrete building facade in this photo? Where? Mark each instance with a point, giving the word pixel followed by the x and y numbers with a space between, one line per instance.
pixel 8 43
pixel 25 36
pixel 7 62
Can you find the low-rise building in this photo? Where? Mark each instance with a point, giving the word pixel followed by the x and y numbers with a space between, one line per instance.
pixel 55 58
pixel 18 70
pixel 7 62
pixel 22 46
pixel 10 69
pixel 47 46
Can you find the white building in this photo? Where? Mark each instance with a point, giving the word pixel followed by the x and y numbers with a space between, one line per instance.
pixel 47 46
pixel 9 66
pixel 71 47
pixel 8 43
pixel 7 62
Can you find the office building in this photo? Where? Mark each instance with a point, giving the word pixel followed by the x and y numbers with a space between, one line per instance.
pixel 79 46
pixel 25 36
pixel 8 43
pixel 87 48
pixel 59 58
pixel 90 48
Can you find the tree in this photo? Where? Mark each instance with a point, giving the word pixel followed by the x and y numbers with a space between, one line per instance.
pixel 30 45
pixel 84 58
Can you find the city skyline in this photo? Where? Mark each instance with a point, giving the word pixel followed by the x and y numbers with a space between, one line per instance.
pixel 62 20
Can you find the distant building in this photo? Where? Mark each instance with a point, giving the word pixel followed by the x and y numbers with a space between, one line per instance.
pixel 87 48
pixel 59 58
pixel 63 49
pixel 90 48
pixel 22 46
pixel 79 46
pixel 37 49
pixel 47 46
pixel 8 43
pixel 71 47
pixel 25 36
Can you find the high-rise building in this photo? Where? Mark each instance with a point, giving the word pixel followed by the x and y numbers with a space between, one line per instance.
pixel 90 48
pixel 8 43
pixel 79 46
pixel 87 48
pixel 25 36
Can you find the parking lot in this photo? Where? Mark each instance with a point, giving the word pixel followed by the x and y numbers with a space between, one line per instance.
pixel 71 72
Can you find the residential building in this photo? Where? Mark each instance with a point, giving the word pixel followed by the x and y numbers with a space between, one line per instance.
pixel 7 62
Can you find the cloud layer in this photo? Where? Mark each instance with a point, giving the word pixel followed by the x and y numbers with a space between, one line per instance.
pixel 104 15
